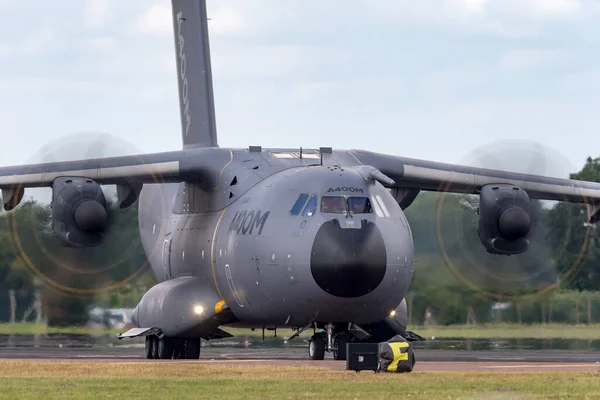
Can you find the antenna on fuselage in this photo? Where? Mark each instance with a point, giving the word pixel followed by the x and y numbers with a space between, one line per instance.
pixel 324 150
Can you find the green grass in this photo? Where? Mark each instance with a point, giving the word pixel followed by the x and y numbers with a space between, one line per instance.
pixel 189 380
pixel 31 328
pixel 504 331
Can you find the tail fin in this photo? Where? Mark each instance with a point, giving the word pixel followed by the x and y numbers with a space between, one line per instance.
pixel 196 100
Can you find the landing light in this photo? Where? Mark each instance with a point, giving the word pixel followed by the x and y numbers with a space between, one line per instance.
pixel 198 310
pixel 393 313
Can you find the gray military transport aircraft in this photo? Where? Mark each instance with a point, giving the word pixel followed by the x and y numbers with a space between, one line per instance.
pixel 273 238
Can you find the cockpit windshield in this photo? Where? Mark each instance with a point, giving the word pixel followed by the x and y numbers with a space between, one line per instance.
pixel 341 205
pixel 359 205
pixel 333 204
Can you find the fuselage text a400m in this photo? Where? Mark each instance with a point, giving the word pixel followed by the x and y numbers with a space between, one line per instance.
pixel 312 240
pixel 245 222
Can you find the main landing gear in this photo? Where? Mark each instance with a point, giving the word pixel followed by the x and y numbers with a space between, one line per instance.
pixel 329 341
pixel 167 348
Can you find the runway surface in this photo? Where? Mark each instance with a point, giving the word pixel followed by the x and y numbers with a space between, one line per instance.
pixel 432 355
pixel 212 354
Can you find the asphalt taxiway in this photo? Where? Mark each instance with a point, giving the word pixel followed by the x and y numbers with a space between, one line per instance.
pixel 431 355
pixel 427 359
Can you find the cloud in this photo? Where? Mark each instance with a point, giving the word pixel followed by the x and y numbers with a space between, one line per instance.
pixel 474 6
pixel 95 13
pixel 226 20
pixel 105 44
pixel 583 81
pixel 310 91
pixel 516 61
pixel 560 9
pixel 451 81
pixel 40 42
pixel 264 62
pixel 508 18
pixel 156 21
pixel 5 50
pixel 56 86
pixel 169 65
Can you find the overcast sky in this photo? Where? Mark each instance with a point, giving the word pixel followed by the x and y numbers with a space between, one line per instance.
pixel 430 79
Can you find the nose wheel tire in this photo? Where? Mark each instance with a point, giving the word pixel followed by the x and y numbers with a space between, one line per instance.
pixel 316 347
pixel 339 347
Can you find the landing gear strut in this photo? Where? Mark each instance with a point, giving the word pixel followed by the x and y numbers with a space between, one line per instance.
pixel 329 328
pixel 167 348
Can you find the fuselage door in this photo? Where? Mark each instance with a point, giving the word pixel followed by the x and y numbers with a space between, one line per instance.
pixel 166 256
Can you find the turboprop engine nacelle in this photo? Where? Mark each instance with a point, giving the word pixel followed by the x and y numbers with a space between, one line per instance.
pixel 504 219
pixel 79 214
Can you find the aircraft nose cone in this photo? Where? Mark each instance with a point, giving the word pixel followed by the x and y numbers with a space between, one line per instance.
pixel 348 262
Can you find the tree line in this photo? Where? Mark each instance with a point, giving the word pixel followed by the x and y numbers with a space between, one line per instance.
pixel 455 278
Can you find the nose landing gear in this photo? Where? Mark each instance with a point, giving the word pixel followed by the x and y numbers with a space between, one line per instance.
pixel 331 341
pixel 339 346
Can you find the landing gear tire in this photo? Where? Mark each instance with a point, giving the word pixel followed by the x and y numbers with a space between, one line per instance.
pixel 339 347
pixel 192 351
pixel 316 347
pixel 178 349
pixel 155 347
pixel 150 346
pixel 165 348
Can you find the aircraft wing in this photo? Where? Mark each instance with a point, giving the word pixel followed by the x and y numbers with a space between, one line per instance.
pixel 452 178
pixel 201 165
pixel 146 168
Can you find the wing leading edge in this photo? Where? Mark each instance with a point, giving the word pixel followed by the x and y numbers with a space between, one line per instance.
pixel 144 168
pixel 202 165
pixel 453 178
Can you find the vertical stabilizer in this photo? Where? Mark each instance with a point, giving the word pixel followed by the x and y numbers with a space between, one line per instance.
pixel 196 100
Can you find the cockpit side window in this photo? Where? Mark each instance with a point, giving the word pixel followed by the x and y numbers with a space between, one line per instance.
pixel 311 207
pixel 299 204
pixel 333 204
pixel 360 205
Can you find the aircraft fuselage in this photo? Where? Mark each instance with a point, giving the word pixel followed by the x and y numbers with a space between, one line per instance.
pixel 277 241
